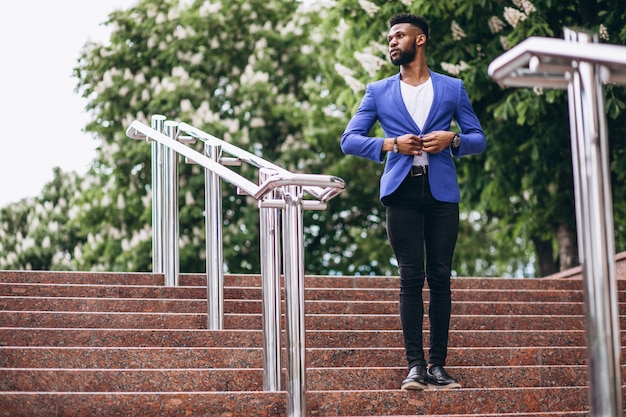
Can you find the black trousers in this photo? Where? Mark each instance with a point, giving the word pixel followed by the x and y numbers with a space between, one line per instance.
pixel 422 232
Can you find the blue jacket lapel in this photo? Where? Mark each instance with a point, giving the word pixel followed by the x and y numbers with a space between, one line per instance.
pixel 437 96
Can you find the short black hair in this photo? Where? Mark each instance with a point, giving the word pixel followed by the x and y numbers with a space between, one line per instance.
pixel 412 19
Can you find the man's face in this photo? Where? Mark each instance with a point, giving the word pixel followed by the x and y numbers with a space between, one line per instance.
pixel 402 43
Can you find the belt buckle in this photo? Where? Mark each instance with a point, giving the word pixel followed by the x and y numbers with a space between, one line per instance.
pixel 418 170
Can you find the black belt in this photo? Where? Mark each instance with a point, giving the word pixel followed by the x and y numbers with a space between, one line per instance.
pixel 418 170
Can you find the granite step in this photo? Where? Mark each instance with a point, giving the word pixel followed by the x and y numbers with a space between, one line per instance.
pixel 105 304
pixel 251 379
pixel 392 322
pixel 319 403
pixel 573 281
pixel 251 338
pixel 570 279
pixel 254 293
pixel 189 306
pixel 148 320
pixel 72 277
pixel 252 357
pixel 311 281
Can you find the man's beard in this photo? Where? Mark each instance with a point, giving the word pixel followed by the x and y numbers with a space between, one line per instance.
pixel 405 56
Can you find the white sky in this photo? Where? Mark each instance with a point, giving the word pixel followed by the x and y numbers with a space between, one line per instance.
pixel 41 117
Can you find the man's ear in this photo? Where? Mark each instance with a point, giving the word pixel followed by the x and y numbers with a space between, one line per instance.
pixel 421 39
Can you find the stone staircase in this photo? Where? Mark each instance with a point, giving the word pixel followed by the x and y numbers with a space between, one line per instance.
pixel 121 344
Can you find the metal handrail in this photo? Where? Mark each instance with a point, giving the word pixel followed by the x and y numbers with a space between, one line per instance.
pixel 318 180
pixel 277 189
pixel 138 130
pixel 322 194
pixel 538 61
pixel 580 64
pixel 324 187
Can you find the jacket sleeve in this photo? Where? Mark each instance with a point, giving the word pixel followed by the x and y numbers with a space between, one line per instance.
pixel 472 136
pixel 355 139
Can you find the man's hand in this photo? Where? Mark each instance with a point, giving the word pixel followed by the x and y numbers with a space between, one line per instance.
pixel 410 144
pixel 437 141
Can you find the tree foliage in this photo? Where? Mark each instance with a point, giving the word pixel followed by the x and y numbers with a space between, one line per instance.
pixel 517 197
pixel 281 79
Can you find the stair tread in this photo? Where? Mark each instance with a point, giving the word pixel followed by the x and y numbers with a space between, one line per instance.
pixel 34 336
pixel 319 403
pixel 251 379
pixel 199 279
pixel 250 357
pixel 44 302
pixel 311 293
pixel 321 321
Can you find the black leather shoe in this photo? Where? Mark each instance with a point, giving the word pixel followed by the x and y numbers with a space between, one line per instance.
pixel 438 377
pixel 416 379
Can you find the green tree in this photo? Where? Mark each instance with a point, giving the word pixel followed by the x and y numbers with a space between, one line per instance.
pixel 35 232
pixel 518 197
pixel 281 79
pixel 237 69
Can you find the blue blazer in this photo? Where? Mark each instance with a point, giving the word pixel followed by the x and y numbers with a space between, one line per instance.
pixel 383 102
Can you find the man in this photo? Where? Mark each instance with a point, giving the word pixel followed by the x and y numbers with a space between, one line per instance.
pixel 419 185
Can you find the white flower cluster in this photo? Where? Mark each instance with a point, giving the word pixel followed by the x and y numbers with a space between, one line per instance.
pixel 454 69
pixel 174 12
pixel 513 16
pixel 202 114
pixel 209 8
pixel 333 111
pixel 371 63
pixel 504 42
pixel 166 85
pixel 292 27
pixel 233 126
pixel 153 41
pixel 604 33
pixel 317 38
pixel 495 24
pixel 316 6
pixel 407 3
pixel 457 32
pixel 180 72
pixel 348 76
pixel 193 59
pixel 369 7
pixel 107 80
pixel 375 47
pixel 257 122
pixel 141 235
pixel 342 28
pixel 250 76
pixel 525 5
pixel 160 19
pixel 184 32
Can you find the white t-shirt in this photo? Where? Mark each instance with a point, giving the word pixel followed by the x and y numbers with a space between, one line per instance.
pixel 418 101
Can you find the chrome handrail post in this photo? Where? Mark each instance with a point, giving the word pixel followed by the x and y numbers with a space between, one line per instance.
pixel 293 242
pixel 595 231
pixel 170 164
pixel 158 150
pixel 214 233
pixel 271 260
